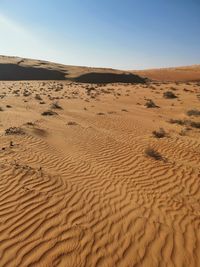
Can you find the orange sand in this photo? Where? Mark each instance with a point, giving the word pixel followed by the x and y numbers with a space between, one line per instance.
pixel 77 189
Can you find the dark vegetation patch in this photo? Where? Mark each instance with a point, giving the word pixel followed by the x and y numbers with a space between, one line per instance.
pixel 169 95
pixel 38 97
pixel 193 124
pixel 14 131
pixel 178 121
pixel 193 112
pixel 72 123
pixel 100 113
pixel 151 104
pixel 160 133
pixel 30 123
pixel 49 113
pixel 55 105
pixel 152 153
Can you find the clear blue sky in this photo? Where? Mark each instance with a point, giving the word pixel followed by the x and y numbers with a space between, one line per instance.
pixel 124 34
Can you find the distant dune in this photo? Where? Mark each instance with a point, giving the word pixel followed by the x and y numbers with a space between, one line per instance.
pixel 187 73
pixel 16 69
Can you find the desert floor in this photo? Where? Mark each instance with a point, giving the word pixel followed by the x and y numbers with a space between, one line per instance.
pixel 78 186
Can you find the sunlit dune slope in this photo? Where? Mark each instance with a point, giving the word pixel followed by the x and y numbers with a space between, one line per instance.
pixel 188 73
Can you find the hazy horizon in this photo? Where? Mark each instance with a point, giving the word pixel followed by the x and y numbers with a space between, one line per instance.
pixel 113 34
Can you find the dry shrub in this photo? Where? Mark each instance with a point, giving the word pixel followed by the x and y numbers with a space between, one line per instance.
pixel 160 133
pixel 150 152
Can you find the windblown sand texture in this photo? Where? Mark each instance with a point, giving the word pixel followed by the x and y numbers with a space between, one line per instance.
pixel 76 187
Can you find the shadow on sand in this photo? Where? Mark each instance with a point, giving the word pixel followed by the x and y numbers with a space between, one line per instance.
pixel 94 77
pixel 13 72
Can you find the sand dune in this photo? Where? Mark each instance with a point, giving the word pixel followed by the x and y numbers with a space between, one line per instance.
pixel 78 187
pixel 188 73
pixel 18 69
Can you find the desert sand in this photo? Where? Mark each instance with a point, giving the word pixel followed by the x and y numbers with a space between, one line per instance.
pixel 184 74
pixel 88 178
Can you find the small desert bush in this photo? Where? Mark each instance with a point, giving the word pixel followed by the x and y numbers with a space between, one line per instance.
pixel 193 112
pixel 177 121
pixel 26 93
pixel 150 152
pixel 71 123
pixel 14 131
pixel 160 133
pixel 55 105
pixel 49 113
pixel 30 123
pixel 100 113
pixel 184 131
pixel 150 104
pixel 38 97
pixel 169 95
pixel 193 124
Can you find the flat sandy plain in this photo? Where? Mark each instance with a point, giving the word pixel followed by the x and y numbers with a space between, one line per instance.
pixel 79 188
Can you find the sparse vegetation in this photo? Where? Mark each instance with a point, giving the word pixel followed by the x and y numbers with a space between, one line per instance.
pixel 29 123
pixel 193 112
pixel 169 95
pixel 49 113
pixel 100 113
pixel 72 123
pixel 193 124
pixel 178 121
pixel 14 131
pixel 150 152
pixel 38 97
pixel 184 131
pixel 55 105
pixel 26 93
pixel 160 133
pixel 151 104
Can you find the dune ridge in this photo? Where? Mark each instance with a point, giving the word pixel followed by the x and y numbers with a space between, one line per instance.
pixel 18 69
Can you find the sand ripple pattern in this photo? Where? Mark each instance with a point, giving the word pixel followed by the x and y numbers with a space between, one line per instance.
pixel 101 202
